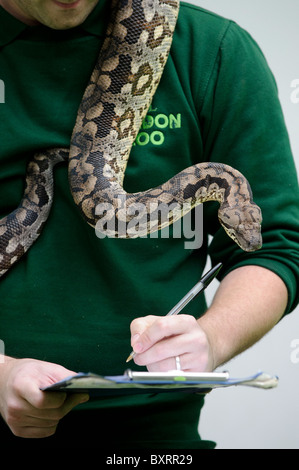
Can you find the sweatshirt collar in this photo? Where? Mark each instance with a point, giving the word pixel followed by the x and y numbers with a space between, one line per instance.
pixel 95 24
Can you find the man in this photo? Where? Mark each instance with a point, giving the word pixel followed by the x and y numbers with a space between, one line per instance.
pixel 68 304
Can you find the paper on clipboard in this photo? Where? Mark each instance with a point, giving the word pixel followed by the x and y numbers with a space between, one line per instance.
pixel 132 382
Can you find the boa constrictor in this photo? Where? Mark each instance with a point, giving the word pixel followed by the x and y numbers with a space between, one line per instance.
pixel 115 102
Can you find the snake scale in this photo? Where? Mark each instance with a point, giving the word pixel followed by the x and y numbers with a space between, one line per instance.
pixel 115 102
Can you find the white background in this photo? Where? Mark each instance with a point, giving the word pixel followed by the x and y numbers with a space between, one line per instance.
pixel 245 418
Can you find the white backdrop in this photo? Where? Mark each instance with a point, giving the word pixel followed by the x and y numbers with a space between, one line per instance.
pixel 245 418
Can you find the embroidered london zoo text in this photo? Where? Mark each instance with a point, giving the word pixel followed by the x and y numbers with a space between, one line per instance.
pixel 154 126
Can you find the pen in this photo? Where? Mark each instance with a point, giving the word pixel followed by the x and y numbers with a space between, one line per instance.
pixel 199 287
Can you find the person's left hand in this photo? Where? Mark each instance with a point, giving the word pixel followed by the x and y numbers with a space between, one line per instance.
pixel 157 341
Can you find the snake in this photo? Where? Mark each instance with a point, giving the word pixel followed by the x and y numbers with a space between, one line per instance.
pixel 115 103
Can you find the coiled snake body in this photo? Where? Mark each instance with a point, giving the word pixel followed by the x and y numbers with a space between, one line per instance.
pixel 113 107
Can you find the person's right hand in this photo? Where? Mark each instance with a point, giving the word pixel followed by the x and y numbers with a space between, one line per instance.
pixel 28 411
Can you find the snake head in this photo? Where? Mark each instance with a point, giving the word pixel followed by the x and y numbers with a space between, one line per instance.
pixel 243 225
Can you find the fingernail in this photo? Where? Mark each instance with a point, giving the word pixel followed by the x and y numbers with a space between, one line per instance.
pixel 84 399
pixel 138 347
pixel 134 339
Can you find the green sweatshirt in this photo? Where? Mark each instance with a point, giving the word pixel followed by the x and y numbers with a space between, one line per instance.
pixel 72 297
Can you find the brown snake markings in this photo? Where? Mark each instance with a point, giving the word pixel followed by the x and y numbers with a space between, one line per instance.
pixel 114 104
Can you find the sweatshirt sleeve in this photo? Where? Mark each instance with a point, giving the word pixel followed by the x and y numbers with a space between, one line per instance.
pixel 243 126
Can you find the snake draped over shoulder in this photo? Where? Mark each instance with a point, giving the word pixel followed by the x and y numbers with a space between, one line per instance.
pixel 115 102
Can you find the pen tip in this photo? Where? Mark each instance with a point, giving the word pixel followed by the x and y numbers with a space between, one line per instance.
pixel 130 357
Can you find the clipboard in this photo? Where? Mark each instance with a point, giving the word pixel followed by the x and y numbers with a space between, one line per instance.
pixel 132 383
